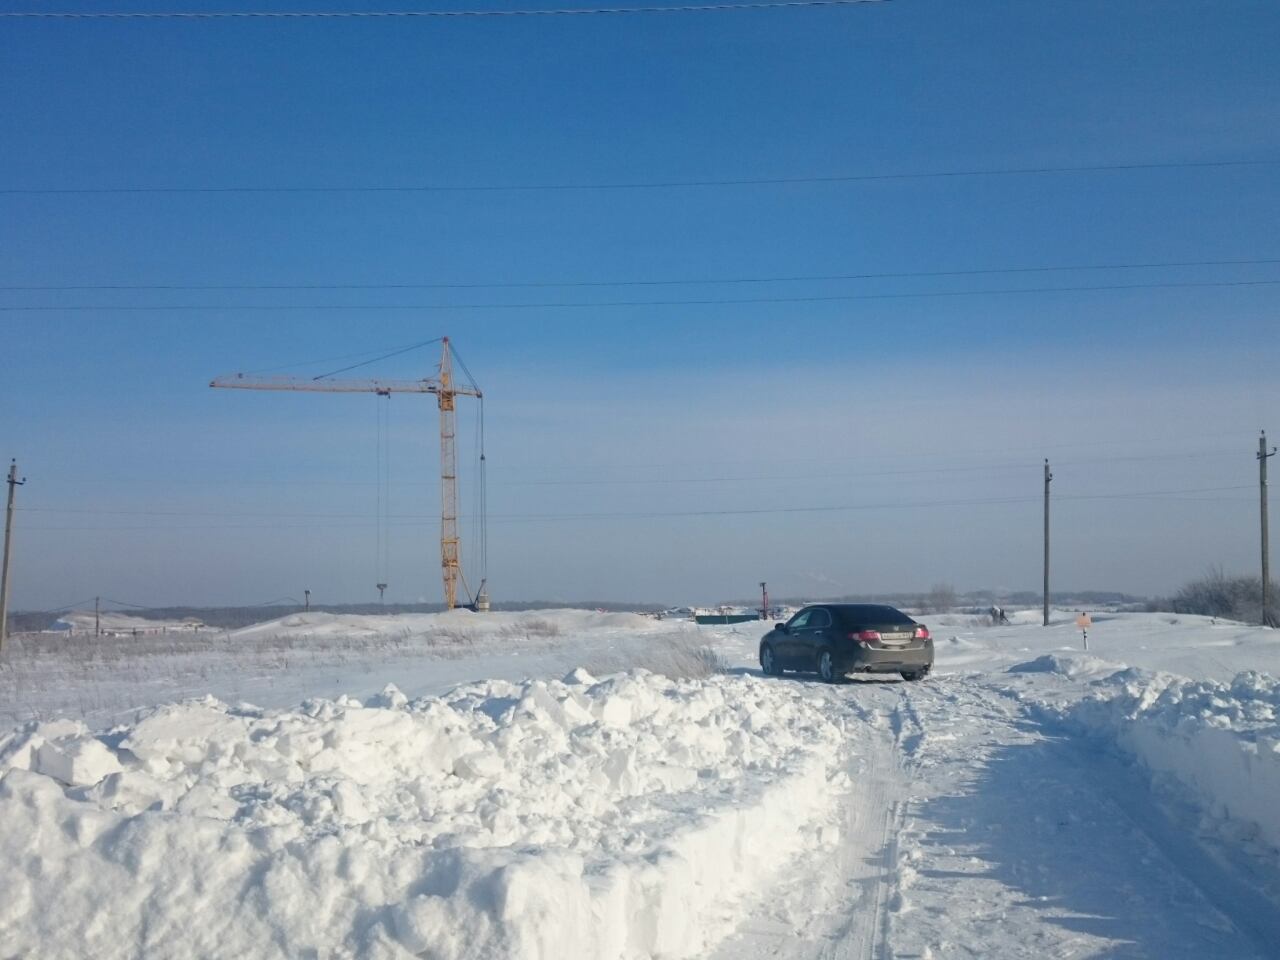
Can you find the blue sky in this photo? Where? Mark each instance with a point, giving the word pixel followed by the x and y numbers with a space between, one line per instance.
pixel 700 423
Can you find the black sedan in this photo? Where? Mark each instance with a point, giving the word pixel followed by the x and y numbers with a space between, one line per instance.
pixel 836 639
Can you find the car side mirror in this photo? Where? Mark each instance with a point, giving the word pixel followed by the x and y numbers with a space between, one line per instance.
pixel 780 627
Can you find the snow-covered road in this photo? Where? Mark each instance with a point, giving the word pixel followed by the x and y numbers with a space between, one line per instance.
pixel 1026 801
pixel 972 830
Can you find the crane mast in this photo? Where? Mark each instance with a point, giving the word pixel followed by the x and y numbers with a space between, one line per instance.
pixel 446 391
pixel 448 483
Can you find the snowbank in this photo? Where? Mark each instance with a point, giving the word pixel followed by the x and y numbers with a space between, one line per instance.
pixel 548 819
pixel 450 626
pixel 1220 741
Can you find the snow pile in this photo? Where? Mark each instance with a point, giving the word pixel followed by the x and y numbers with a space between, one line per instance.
pixel 1220 740
pixel 1072 666
pixel 626 817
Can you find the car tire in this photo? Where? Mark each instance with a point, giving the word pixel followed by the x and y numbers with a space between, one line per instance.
pixel 769 665
pixel 915 674
pixel 827 666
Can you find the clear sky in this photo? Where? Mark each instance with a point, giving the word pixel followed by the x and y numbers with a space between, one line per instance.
pixel 827 435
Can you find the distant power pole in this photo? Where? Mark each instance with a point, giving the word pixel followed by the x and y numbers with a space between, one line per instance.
pixel 307 596
pixel 1263 457
pixel 97 616
pixel 14 483
pixel 1048 477
pixel 764 601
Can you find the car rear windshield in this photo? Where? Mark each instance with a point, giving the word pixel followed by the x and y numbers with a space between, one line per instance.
pixel 871 614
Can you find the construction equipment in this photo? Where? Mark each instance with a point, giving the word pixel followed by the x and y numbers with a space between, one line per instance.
pixel 446 390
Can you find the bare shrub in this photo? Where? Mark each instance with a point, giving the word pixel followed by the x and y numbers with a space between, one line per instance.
pixel 450 635
pixel 538 627
pixel 1230 598
pixel 529 628
pixel 675 655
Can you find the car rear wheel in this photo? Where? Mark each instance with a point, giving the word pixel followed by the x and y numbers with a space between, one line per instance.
pixel 915 674
pixel 769 661
pixel 827 667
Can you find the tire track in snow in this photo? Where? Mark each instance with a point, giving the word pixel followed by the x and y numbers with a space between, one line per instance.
pixel 1021 844
pixel 830 903
pixel 969 830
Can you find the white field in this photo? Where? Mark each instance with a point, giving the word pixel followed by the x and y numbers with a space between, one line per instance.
pixel 521 785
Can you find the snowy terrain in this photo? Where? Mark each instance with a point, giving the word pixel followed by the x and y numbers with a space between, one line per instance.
pixel 569 784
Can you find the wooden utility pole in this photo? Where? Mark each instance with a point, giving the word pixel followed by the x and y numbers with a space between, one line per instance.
pixel 1048 477
pixel 97 616
pixel 14 483
pixel 1263 456
pixel 307 595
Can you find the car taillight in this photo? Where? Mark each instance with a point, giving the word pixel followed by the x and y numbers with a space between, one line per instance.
pixel 866 636
pixel 922 633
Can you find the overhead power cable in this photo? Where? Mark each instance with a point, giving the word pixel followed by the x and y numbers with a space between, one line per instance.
pixel 657 515
pixel 646 514
pixel 427 14
pixel 662 184
pixel 711 301
pixel 66 607
pixel 126 603
pixel 667 479
pixel 692 281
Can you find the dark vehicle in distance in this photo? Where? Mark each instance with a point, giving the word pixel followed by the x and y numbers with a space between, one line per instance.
pixel 836 639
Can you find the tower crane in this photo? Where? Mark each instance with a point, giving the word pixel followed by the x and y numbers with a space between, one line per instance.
pixel 446 390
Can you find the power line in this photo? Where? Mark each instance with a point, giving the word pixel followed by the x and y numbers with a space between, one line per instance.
pixel 906 471
pixel 651 514
pixel 658 184
pixel 62 609
pixel 988 467
pixel 713 301
pixel 705 281
pixel 432 14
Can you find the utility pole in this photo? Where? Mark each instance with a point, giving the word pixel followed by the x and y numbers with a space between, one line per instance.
pixel 1263 457
pixel 307 606
pixel 97 616
pixel 764 601
pixel 1048 477
pixel 14 483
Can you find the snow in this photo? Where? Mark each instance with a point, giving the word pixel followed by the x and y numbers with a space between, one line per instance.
pixel 286 660
pixel 575 784
pixel 1221 741
pixel 610 818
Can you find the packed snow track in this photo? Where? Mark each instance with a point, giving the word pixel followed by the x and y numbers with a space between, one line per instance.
pixel 1027 801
